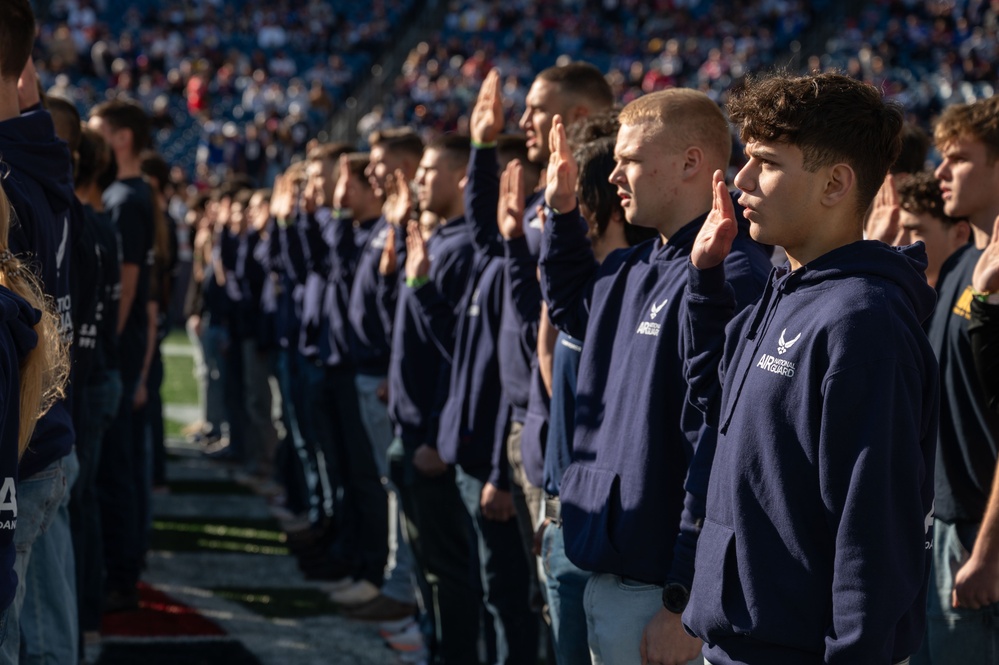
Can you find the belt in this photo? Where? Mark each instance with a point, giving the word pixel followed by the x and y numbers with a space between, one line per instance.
pixel 553 509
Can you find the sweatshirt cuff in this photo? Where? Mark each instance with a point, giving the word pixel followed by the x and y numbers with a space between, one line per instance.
pixel 708 282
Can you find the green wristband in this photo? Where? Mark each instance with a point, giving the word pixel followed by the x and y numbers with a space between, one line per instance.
pixel 417 282
pixel 481 146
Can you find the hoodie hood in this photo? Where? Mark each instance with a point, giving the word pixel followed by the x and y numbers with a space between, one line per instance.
pixel 29 141
pixel 905 266
pixel 20 319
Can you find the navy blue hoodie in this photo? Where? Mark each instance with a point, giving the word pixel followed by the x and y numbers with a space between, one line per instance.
pixel 40 188
pixel 817 540
pixel 623 494
pixel 522 300
pixel 345 241
pixel 17 339
pixel 419 372
pixel 371 308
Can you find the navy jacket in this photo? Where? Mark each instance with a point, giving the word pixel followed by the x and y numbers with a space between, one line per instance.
pixel 817 540
pixel 372 305
pixel 473 421
pixel 39 184
pixel 329 286
pixel 623 494
pixel 17 338
pixel 522 300
pixel 419 372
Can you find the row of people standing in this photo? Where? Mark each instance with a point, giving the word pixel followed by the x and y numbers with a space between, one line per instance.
pixel 474 343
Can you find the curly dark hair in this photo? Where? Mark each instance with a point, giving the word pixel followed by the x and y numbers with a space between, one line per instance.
pixel 978 120
pixel 919 194
pixel 829 117
pixel 593 127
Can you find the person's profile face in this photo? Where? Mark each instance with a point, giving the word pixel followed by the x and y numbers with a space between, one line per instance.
pixel 778 194
pixel 646 175
pixel 542 104
pixel 941 239
pixel 434 187
pixel 967 180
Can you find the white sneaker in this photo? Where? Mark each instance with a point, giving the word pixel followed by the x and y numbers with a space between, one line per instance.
pixel 358 593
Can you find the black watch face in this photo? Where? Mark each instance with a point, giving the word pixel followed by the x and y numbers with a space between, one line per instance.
pixel 675 597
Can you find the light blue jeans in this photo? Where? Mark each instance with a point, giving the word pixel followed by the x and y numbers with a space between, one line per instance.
pixel 617 611
pixel 44 611
pixel 566 585
pixel 399 578
pixel 955 635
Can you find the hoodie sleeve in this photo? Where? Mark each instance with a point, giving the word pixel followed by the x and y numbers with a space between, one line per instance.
pixel 525 291
pixel 876 446
pixel 710 305
pixel 568 269
pixel 482 199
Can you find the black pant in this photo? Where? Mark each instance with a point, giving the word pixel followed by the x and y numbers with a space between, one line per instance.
pixel 362 523
pixel 440 534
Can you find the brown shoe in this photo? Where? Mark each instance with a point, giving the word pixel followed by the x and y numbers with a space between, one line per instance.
pixel 382 608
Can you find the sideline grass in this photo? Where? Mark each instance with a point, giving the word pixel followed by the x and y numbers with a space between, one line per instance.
pixel 179 385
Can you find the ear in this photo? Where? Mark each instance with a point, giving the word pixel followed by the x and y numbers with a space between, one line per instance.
pixel 841 182
pixel 693 161
pixel 961 233
pixel 575 113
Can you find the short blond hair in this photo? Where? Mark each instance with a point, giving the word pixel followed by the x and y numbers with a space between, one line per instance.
pixel 685 118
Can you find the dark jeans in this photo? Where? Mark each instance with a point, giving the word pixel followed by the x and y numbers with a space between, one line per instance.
pixel 297 470
pixel 101 400
pixel 441 537
pixel 505 575
pixel 362 523
pixel 154 418
pixel 118 494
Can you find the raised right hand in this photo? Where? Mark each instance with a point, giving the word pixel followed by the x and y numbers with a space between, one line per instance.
pixel 417 263
pixel 341 192
pixel 562 173
pixel 986 275
pixel 882 223
pixel 714 240
pixel 487 115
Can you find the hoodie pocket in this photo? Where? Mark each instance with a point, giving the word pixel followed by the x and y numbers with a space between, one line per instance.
pixel 590 500
pixel 715 578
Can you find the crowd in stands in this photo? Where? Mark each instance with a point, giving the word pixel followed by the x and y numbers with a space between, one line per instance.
pixel 545 385
pixel 208 71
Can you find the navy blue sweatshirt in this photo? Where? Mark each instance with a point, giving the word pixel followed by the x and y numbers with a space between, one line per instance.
pixel 39 185
pixel 371 311
pixel 345 241
pixel 623 494
pixel 969 431
pixel 419 371
pixel 522 300
pixel 472 427
pixel 17 339
pixel 817 540
pixel 562 410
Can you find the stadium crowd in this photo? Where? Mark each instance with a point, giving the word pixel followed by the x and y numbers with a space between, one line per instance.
pixel 520 376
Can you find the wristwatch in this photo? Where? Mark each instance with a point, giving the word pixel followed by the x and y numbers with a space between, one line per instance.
pixel 675 597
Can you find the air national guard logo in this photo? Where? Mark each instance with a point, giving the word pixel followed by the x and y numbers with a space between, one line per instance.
pixel 648 327
pixel 769 363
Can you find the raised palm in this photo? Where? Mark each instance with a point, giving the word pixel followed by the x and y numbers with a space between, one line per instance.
pixel 487 115
pixel 986 275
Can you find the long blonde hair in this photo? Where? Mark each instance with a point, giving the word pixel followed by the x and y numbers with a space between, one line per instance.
pixel 45 369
